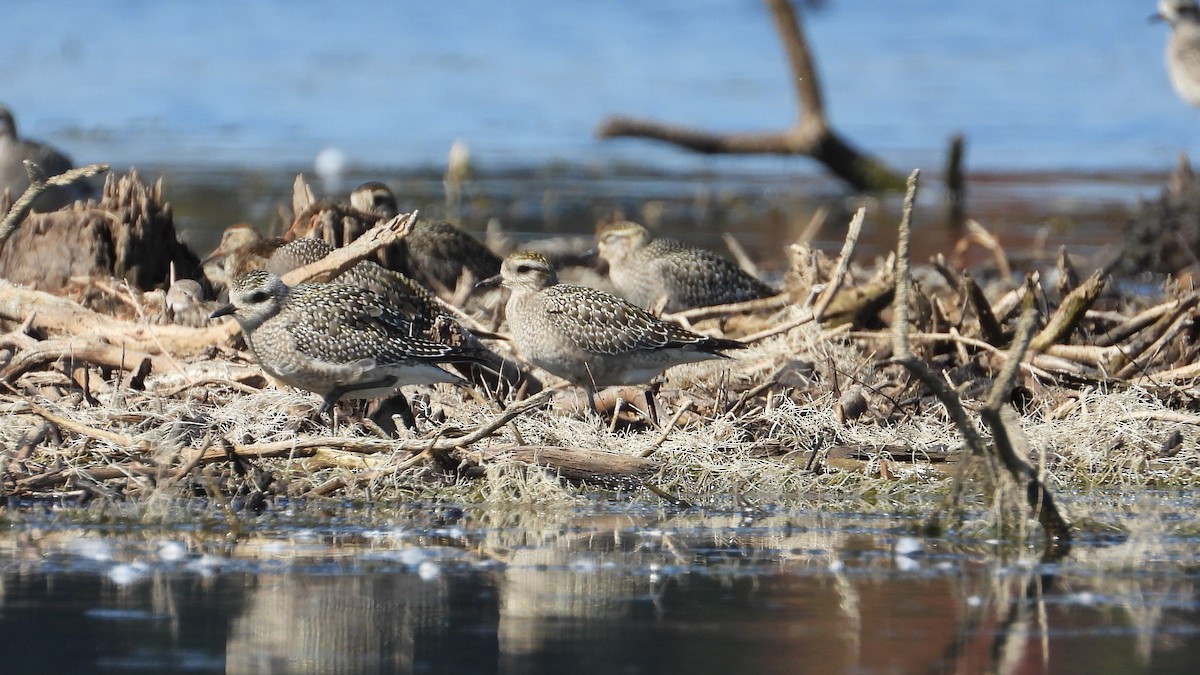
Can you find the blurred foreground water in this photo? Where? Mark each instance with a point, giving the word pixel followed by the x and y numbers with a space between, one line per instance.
pixel 597 588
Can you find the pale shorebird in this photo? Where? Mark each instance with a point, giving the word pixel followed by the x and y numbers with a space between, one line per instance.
pixel 242 248
pixel 184 304
pixel 650 270
pixel 591 338
pixel 1183 47
pixel 335 340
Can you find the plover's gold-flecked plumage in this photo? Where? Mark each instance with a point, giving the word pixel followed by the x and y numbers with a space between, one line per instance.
pixel 401 293
pixel 645 269
pixel 589 337
pixel 429 318
pixel 336 340
pixel 1183 47
pixel 434 253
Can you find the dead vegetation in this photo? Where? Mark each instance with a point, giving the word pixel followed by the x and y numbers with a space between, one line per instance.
pixel 877 379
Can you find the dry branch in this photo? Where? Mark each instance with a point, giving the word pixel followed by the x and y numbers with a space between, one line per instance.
pixel 809 135
pixel 61 316
pixel 1069 313
pixel 38 184
pixel 345 257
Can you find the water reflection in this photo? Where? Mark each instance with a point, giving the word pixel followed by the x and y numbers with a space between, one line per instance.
pixel 592 591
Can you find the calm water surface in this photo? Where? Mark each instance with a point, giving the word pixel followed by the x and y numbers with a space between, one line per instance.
pixel 596 589
pixel 1033 84
pixel 231 99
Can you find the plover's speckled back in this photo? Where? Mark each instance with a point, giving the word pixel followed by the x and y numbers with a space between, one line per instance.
pixel 1183 47
pixel 590 337
pixel 429 318
pixel 646 269
pixel 401 293
pixel 336 340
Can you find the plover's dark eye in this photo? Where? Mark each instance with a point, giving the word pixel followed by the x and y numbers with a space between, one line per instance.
pixel 524 269
pixel 259 296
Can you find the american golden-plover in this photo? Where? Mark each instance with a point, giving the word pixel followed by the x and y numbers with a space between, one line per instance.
pixel 375 198
pixel 402 293
pixel 242 249
pixel 335 340
pixel 13 177
pixel 435 253
pixel 429 318
pixel 184 304
pixel 1183 47
pixel 591 338
pixel 647 269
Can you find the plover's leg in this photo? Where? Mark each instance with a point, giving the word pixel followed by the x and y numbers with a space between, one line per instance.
pixel 339 391
pixel 651 405
pixel 396 404
pixel 591 394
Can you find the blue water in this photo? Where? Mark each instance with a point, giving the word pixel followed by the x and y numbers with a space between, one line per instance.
pixel 266 83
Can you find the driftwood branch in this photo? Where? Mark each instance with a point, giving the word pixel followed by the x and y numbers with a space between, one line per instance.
pixel 61 316
pixel 345 257
pixel 1070 312
pixel 38 184
pixel 843 263
pixel 809 134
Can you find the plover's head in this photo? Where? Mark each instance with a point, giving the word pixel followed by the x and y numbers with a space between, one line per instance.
pixel 374 197
pixel 254 297
pixel 527 271
pixel 1178 11
pixel 184 293
pixel 620 239
pixel 235 238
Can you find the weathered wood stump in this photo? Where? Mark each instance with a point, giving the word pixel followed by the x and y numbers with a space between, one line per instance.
pixel 130 234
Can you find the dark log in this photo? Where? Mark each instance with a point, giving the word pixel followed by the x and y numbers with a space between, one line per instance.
pixel 809 135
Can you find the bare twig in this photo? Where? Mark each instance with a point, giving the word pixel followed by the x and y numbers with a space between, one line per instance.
pixel 687 405
pixel 843 263
pixel 810 134
pixel 1004 433
pixel 342 259
pixel 39 183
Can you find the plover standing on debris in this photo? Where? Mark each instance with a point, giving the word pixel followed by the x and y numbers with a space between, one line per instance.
pixel 1183 47
pixel 646 269
pixel 335 340
pixel 589 337
pixel 429 318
